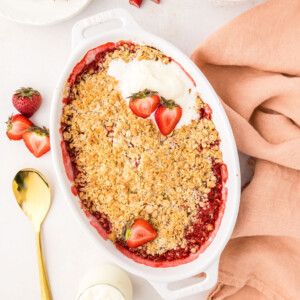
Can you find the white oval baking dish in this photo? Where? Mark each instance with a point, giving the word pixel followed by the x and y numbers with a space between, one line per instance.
pixel 209 260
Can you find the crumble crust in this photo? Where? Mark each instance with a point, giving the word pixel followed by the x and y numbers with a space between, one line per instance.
pixel 126 169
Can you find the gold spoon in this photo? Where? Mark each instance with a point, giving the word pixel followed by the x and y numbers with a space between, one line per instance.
pixel 33 194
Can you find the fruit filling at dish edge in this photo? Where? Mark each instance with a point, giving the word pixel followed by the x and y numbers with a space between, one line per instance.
pixel 151 174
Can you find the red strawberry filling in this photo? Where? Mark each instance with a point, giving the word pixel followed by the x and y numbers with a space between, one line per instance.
pixel 206 112
pixel 202 228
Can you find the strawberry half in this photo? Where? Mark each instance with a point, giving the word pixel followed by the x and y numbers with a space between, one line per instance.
pixel 16 126
pixel 136 3
pixel 27 101
pixel 167 116
pixel 37 140
pixel 156 1
pixel 144 103
pixel 139 233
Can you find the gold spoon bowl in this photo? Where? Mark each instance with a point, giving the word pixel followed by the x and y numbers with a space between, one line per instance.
pixel 33 194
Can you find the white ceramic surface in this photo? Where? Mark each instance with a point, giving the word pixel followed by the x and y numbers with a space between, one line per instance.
pixel 41 12
pixel 208 261
pixel 221 3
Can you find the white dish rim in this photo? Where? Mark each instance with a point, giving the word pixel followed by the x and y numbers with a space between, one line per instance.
pixel 13 17
pixel 206 262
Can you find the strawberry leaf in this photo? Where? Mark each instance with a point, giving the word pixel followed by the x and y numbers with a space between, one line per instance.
pixel 127 234
pixel 170 104
pixel 142 94
pixel 26 92
pixel 9 123
pixel 42 131
pixel 127 230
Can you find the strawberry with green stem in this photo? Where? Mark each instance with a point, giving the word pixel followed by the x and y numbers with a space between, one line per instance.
pixel 27 101
pixel 144 103
pixel 138 233
pixel 167 116
pixel 37 140
pixel 16 126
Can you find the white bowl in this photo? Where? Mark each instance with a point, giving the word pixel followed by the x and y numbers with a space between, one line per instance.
pixel 41 12
pixel 209 260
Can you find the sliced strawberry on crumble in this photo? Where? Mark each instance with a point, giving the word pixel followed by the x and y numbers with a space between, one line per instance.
pixel 144 103
pixel 139 233
pixel 167 116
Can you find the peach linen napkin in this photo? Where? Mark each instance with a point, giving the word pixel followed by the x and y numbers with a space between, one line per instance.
pixel 253 63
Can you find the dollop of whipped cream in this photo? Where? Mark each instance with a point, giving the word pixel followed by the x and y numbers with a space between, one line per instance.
pixel 169 80
pixel 102 292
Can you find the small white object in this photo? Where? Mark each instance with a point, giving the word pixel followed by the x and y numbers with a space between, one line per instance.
pixel 170 81
pixel 106 282
pixel 41 12
pixel 101 292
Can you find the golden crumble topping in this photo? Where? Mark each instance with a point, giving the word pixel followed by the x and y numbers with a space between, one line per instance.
pixel 126 169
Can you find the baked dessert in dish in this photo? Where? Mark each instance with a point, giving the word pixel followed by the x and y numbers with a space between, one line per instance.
pixel 143 153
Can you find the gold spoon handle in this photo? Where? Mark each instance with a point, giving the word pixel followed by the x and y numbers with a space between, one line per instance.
pixel 45 288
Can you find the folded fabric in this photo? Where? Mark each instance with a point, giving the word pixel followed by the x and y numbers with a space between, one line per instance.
pixel 253 63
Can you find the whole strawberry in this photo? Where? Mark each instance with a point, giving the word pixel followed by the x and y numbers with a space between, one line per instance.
pixel 27 101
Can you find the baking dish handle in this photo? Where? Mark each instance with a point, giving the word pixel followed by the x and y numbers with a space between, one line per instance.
pixel 203 286
pixel 110 15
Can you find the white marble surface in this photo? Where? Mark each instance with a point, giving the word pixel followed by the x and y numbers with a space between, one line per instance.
pixel 34 56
